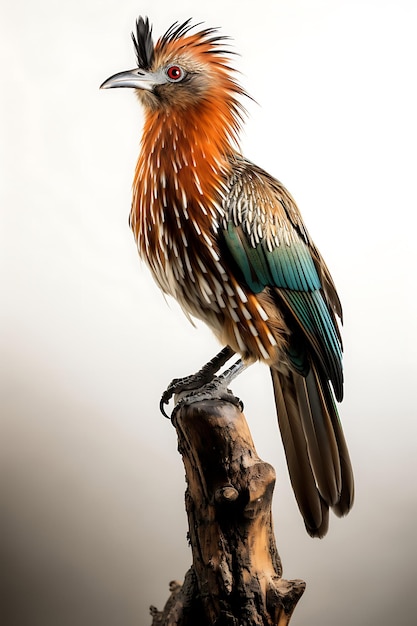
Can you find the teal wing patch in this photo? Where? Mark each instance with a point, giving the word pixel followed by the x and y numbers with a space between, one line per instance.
pixel 313 317
pixel 264 234
pixel 285 266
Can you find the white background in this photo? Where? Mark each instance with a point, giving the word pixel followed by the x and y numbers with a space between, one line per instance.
pixel 94 524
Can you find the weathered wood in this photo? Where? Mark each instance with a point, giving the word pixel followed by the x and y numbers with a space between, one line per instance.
pixel 235 579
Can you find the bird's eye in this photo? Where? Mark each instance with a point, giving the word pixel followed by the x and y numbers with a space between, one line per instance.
pixel 175 73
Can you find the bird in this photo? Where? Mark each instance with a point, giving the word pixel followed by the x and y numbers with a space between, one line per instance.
pixel 228 242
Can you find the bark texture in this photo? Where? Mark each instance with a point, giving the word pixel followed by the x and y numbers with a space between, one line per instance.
pixel 235 579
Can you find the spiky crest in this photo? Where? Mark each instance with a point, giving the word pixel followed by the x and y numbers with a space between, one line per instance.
pixel 143 43
pixel 177 30
pixel 145 49
pixel 208 37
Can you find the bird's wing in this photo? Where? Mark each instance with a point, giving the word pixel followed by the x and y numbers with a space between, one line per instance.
pixel 264 234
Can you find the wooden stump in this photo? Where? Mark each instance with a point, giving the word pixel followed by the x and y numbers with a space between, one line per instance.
pixel 235 578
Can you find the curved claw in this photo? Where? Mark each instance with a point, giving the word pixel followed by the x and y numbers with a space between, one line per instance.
pixel 167 395
pixel 174 386
pixel 162 404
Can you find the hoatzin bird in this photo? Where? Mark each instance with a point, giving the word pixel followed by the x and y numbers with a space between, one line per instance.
pixel 227 240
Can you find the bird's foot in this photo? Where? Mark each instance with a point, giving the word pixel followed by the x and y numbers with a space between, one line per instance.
pixel 195 381
pixel 204 384
pixel 177 386
pixel 215 389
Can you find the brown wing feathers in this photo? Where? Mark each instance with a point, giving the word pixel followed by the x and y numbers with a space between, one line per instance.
pixel 317 457
pixel 312 507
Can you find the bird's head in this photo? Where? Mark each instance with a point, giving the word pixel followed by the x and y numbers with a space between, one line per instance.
pixel 182 70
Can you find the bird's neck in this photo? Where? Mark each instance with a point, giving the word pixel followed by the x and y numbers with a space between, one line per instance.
pixel 184 158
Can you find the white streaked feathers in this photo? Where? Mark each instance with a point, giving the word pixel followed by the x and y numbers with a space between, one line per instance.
pixel 178 240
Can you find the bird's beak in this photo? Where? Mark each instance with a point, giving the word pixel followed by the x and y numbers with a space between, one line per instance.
pixel 135 79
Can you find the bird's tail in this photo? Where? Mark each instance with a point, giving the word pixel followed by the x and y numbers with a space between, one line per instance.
pixel 315 447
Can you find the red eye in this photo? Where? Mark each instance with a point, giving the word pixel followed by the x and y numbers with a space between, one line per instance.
pixel 174 72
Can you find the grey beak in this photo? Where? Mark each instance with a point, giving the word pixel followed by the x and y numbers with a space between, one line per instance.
pixel 135 79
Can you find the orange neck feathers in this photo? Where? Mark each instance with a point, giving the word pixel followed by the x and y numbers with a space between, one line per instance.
pixel 187 146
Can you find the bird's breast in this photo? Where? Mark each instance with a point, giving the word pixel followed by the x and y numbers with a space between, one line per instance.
pixel 180 248
pixel 186 262
pixel 176 217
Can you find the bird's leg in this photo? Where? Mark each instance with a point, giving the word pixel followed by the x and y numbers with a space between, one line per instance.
pixel 197 380
pixel 233 372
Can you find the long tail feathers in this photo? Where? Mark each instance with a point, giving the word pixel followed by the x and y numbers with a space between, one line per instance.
pixel 315 448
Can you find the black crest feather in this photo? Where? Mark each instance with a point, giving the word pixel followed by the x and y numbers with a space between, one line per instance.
pixel 143 43
pixel 177 30
pixel 207 35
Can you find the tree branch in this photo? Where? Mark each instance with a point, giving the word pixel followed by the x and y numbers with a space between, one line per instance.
pixel 236 574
